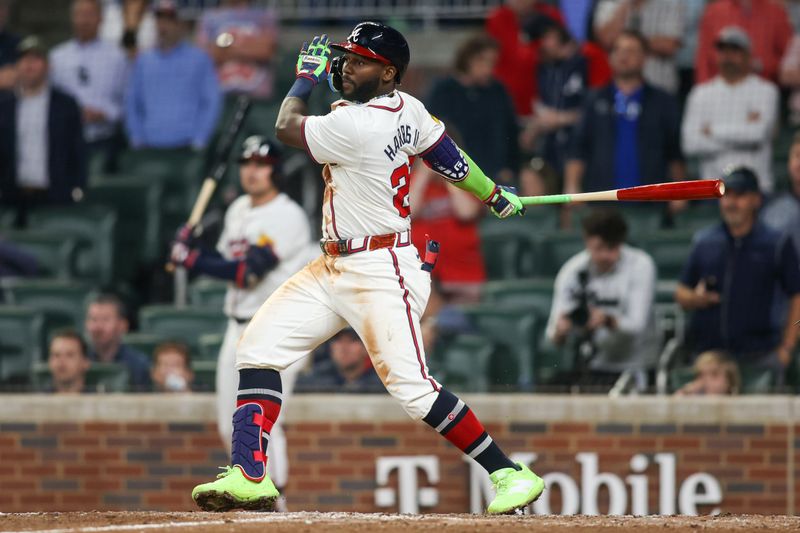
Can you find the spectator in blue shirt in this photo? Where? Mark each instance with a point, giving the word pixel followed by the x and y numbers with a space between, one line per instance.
pixel 174 96
pixel 739 275
pixel 106 323
pixel 578 15
pixel 629 132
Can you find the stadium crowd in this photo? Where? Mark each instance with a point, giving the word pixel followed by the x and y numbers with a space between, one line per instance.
pixel 548 96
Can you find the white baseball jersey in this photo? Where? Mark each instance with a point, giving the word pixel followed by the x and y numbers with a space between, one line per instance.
pixel 280 222
pixel 369 149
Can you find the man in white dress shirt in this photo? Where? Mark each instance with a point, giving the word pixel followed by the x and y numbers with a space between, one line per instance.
pixel 730 120
pixel 93 71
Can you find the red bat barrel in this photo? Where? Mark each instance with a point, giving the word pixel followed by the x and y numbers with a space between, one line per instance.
pixel 677 190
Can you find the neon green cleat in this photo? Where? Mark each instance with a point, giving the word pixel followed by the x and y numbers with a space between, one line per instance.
pixel 232 490
pixel 515 489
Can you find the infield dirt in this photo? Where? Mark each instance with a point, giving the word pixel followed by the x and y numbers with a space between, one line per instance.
pixel 97 522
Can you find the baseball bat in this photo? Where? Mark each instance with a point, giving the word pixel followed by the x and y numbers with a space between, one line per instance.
pixel 219 164
pixel 658 192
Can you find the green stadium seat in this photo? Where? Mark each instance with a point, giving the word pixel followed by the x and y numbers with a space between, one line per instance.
pixel 7 216
pixel 536 293
pixel 208 292
pixel 665 291
pixel 551 361
pixel 63 303
pixel 180 172
pixel 670 251
pixel 699 215
pixel 463 363
pixel 144 342
pixel 21 342
pixel 209 347
pixel 93 226
pixel 756 380
pixel 186 324
pixel 101 377
pixel 205 376
pixel 137 201
pixel 556 249
pixel 680 376
pixel 505 245
pixel 55 252
pixel 642 219
pixel 514 330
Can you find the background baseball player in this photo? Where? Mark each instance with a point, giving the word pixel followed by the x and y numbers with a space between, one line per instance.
pixel 370 275
pixel 265 239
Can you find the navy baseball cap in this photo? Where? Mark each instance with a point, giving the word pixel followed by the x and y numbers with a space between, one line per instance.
pixel 741 180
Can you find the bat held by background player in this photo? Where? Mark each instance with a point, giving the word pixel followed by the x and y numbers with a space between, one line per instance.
pixel 658 192
pixel 219 166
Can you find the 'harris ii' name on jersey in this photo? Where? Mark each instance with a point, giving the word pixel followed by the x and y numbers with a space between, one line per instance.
pixel 403 136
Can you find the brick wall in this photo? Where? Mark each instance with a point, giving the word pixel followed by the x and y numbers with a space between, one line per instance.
pixel 153 462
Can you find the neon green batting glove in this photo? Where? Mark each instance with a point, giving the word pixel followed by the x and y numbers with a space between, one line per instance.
pixel 504 202
pixel 314 61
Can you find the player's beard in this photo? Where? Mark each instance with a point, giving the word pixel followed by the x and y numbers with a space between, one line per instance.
pixel 364 92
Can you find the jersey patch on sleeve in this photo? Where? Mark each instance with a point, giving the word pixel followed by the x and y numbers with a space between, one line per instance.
pixel 445 158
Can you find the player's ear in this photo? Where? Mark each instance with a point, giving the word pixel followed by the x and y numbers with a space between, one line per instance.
pixel 389 73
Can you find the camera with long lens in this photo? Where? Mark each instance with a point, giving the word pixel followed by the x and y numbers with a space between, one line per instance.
pixel 579 316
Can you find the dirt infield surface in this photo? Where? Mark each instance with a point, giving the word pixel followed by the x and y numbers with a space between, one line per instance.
pixel 345 522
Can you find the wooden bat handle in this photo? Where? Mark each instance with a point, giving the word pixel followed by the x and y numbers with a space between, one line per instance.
pixel 206 192
pixel 200 205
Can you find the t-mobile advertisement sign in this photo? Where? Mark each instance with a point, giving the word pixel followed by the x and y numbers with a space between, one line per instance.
pixel 417 477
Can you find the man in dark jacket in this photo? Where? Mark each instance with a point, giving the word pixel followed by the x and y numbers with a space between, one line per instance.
pixel 629 133
pixel 42 150
pixel 742 283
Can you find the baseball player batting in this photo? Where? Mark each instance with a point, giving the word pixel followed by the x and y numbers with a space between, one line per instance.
pixel 265 239
pixel 370 275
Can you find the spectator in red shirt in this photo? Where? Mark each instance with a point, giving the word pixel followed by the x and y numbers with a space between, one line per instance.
pixel 765 21
pixel 450 216
pixel 511 26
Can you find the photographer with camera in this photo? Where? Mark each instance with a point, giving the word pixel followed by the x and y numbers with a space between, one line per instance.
pixel 603 304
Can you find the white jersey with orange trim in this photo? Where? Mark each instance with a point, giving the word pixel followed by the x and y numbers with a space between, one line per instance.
pixel 368 150
pixel 281 223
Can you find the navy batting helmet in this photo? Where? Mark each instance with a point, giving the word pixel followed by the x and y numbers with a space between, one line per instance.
pixel 259 149
pixel 380 42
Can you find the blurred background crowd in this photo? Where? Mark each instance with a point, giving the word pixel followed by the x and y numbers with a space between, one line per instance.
pixel 111 111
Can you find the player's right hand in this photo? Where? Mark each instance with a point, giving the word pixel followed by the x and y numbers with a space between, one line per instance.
pixel 314 61
pixel 504 202
pixel 185 235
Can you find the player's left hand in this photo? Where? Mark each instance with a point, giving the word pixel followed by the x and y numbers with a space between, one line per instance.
pixel 314 61
pixel 182 255
pixel 504 202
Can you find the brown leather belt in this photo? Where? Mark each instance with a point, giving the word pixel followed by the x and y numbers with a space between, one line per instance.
pixel 343 247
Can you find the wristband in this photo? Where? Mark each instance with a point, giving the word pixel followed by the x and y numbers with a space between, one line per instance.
pixel 301 89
